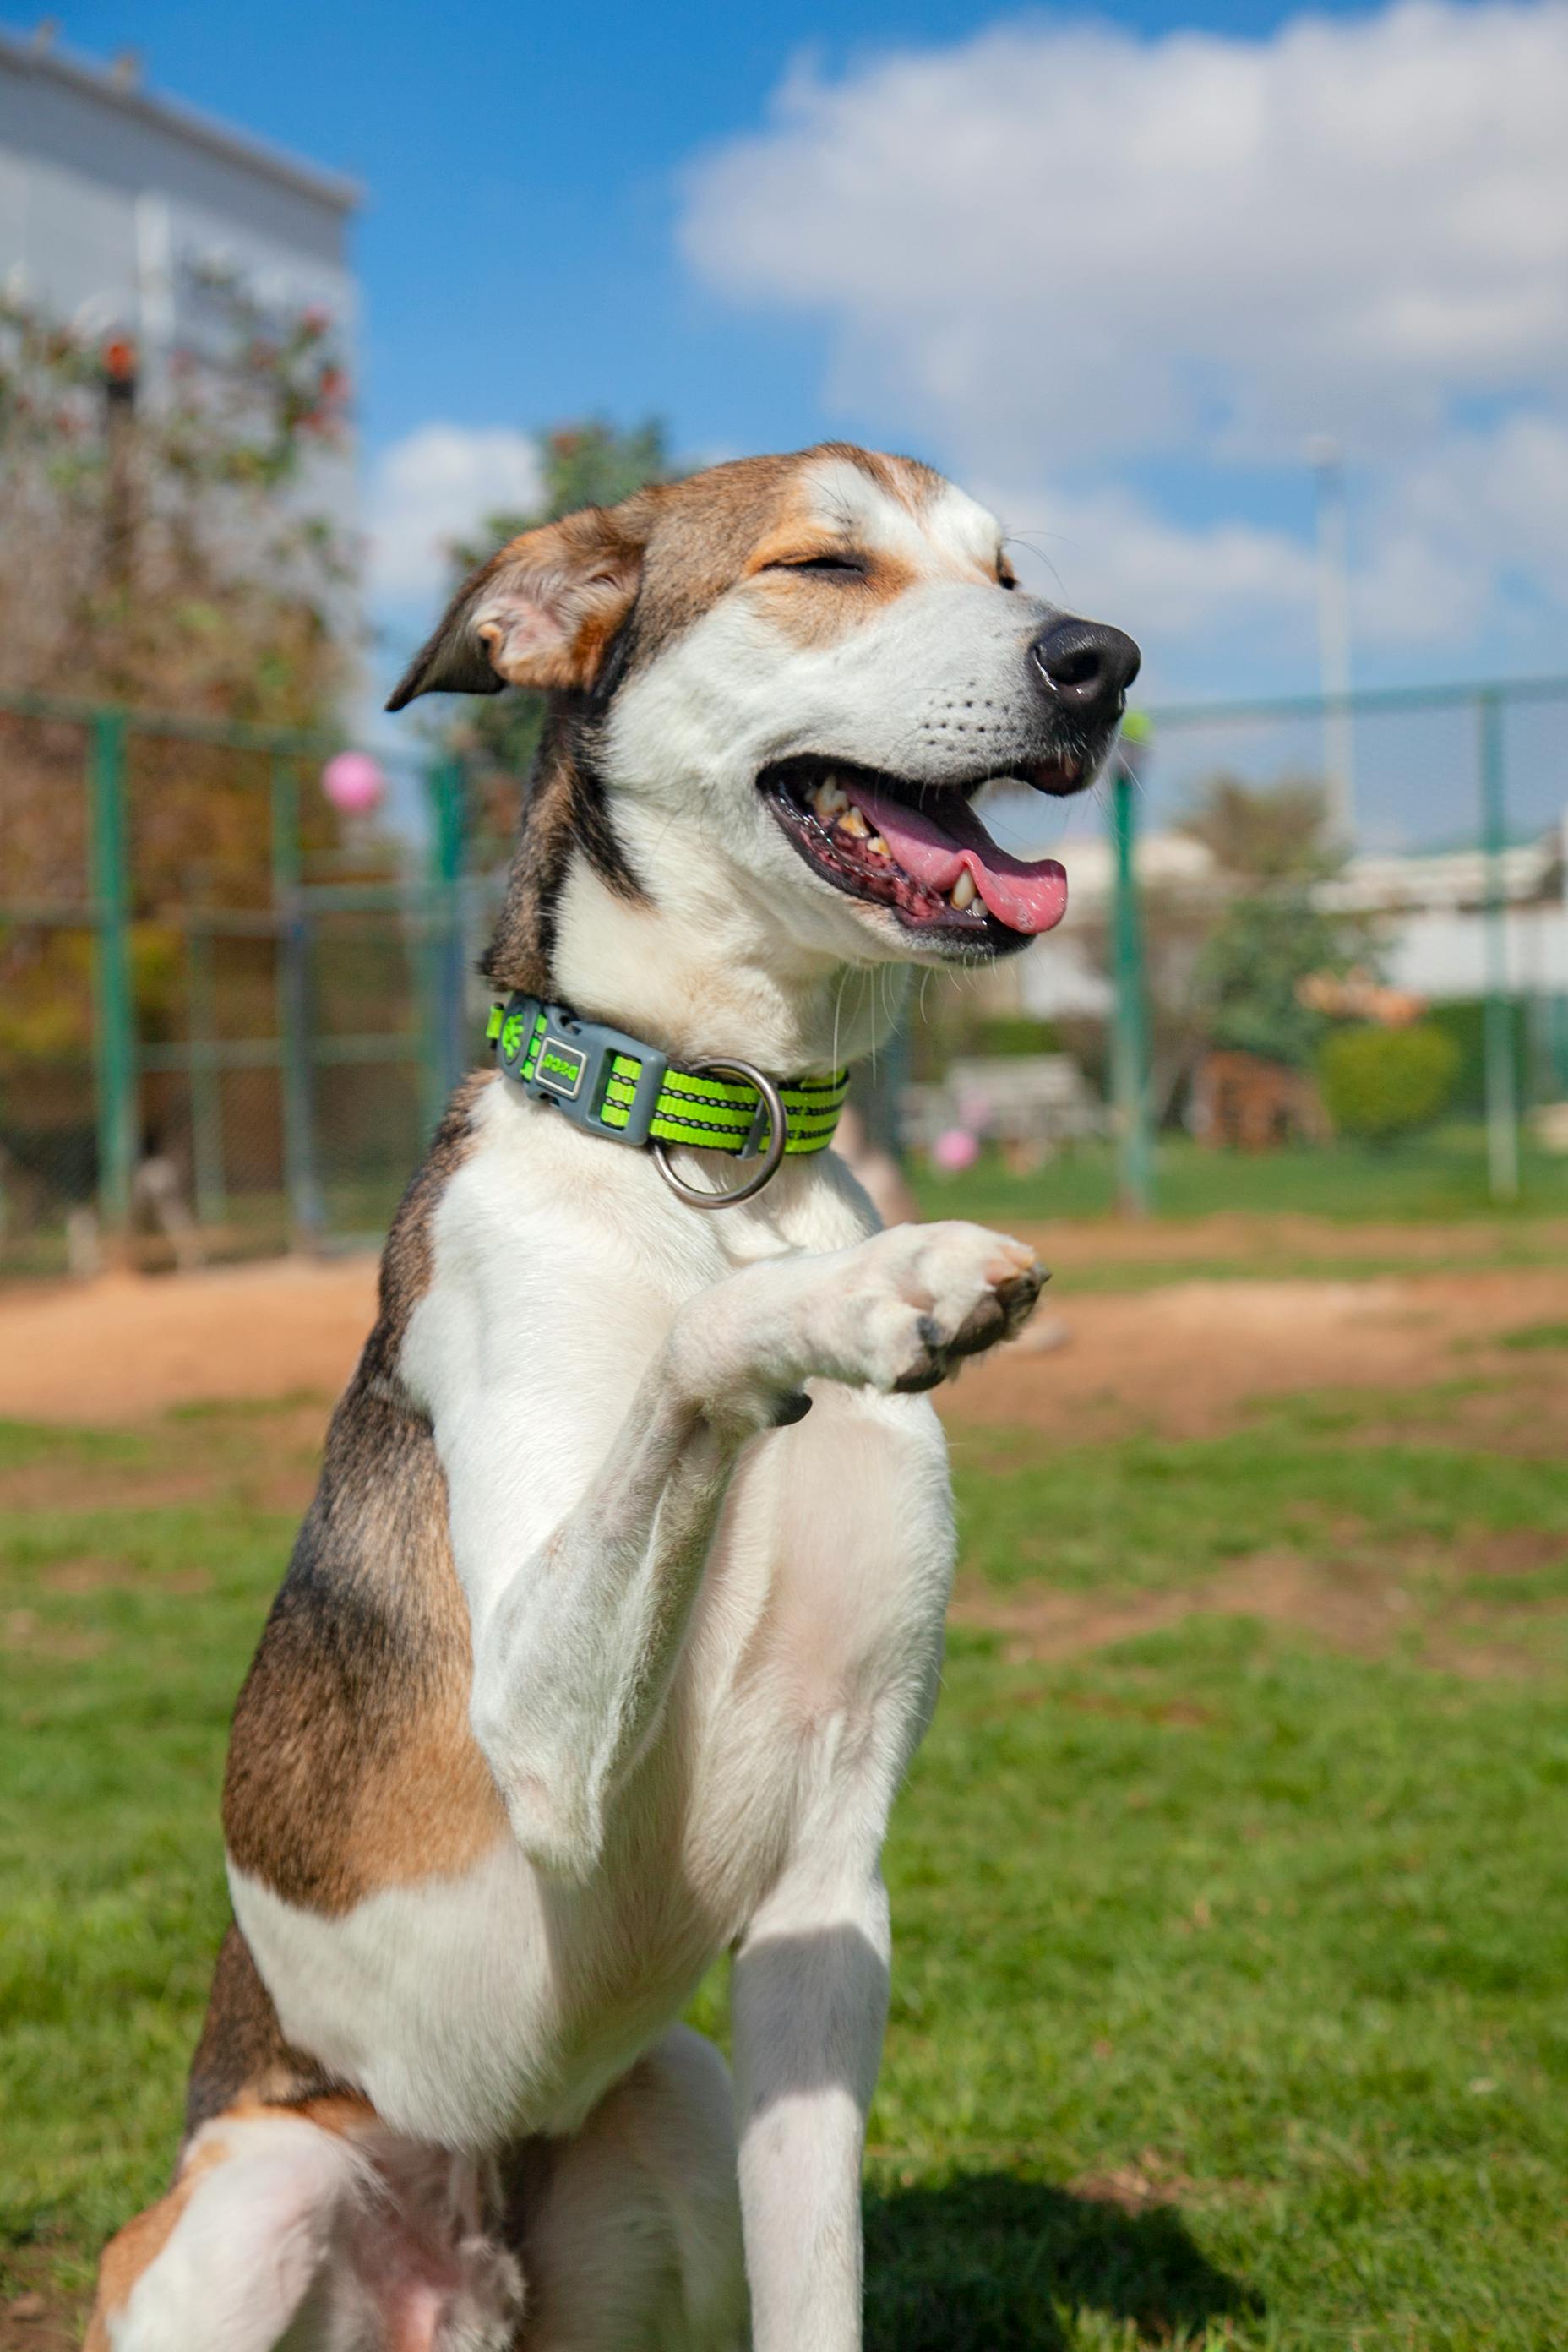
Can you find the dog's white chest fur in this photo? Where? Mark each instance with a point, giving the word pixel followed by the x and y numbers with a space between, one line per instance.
pixel 507 1997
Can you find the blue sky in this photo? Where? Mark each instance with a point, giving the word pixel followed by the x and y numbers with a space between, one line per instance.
pixel 1111 271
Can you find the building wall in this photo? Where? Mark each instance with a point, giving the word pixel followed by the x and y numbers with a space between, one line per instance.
pixel 1443 954
pixel 1432 932
pixel 119 213
pixel 95 179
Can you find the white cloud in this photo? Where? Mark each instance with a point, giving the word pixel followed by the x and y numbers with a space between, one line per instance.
pixel 1064 238
pixel 436 484
pixel 1054 249
pixel 1107 551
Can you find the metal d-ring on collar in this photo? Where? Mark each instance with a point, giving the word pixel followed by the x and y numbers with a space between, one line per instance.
pixel 778 1139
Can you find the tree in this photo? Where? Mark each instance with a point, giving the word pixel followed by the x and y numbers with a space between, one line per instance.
pixel 161 554
pixel 590 464
pixel 1271 845
pixel 1263 835
pixel 161 548
pixel 1224 952
pixel 1250 970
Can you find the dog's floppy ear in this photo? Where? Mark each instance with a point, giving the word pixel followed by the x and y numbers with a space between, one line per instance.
pixel 542 613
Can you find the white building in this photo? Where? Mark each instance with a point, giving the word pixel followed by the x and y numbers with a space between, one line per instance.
pixel 1429 906
pixel 123 216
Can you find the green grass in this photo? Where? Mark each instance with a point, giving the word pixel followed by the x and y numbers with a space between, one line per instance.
pixel 1147 1514
pixel 1431 1178
pixel 1280 1934
pixel 1536 1335
pixel 1228 1993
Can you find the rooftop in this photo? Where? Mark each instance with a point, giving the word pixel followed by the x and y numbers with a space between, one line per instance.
pixel 120 86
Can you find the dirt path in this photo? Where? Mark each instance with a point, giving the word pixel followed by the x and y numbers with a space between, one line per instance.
pixel 1181 1359
pixel 130 1346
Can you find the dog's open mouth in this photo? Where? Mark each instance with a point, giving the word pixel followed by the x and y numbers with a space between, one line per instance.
pixel 921 852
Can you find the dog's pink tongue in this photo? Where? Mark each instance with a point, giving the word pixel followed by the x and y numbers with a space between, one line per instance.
pixel 1027 897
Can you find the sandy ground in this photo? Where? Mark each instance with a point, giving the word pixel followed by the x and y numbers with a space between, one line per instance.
pixel 1178 1359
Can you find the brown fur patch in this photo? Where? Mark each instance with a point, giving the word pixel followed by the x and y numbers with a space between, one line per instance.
pixel 541 611
pixel 818 608
pixel 351 1765
pixel 913 483
pixel 136 2247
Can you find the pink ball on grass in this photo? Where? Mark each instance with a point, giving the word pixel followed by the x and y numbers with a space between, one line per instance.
pixel 353 783
pixel 955 1150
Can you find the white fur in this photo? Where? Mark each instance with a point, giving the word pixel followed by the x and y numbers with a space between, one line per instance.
pixel 935 685
pixel 295 2237
pixel 705 1646
pixel 703 1656
pixel 935 688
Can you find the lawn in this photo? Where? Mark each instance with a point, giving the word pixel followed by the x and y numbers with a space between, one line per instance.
pixel 1440 1176
pixel 1230 1889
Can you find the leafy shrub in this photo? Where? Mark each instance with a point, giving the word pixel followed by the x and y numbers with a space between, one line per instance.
pixel 1250 969
pixel 1008 1034
pixel 1464 1019
pixel 1381 1084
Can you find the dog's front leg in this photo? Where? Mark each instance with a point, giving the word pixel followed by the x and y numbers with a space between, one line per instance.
pixel 574 1661
pixel 809 1999
pixel 575 1643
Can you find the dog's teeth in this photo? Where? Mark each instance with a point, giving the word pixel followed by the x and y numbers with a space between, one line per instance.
pixel 878 847
pixel 831 796
pixel 852 821
pixel 964 893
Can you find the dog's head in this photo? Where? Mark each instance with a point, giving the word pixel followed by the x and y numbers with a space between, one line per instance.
pixel 800 670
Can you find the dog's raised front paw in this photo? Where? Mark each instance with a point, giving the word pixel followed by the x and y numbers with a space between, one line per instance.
pixel 935 1293
pixel 895 1312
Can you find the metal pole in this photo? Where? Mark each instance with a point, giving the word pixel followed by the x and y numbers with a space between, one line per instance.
pixel 307 1210
pixel 1334 638
pixel 447 1050
pixel 1130 1063
pixel 206 1097
pixel 114 1003
pixel 1502 1104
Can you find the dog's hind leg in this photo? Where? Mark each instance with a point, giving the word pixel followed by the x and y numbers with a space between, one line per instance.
pixel 311 2228
pixel 630 2231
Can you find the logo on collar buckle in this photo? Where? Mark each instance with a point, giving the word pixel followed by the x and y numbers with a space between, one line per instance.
pixel 555 1057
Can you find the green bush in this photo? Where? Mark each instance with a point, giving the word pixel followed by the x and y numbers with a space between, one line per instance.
pixel 1381 1084
pixel 1464 1019
pixel 1009 1034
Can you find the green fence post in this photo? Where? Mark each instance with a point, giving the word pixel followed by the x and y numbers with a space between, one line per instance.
pixel 114 1003
pixel 206 1098
pixel 1502 1103
pixel 447 1051
pixel 307 1210
pixel 1129 1064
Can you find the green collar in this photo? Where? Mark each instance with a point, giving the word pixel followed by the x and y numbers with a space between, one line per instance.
pixel 615 1086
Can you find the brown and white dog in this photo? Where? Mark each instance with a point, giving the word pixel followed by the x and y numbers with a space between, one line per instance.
pixel 596 1658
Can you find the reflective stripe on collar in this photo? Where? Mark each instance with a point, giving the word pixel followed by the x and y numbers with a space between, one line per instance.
pixel 614 1084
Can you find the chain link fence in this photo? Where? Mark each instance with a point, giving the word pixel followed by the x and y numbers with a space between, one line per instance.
pixel 230 1010
pixel 1439 902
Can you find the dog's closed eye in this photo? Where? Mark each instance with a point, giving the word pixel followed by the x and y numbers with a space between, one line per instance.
pixel 847 567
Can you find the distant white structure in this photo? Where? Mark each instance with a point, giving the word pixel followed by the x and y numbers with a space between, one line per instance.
pixel 1433 911
pixel 1429 908
pixel 124 215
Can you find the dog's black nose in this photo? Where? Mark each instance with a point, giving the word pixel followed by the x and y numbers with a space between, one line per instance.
pixel 1086 667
